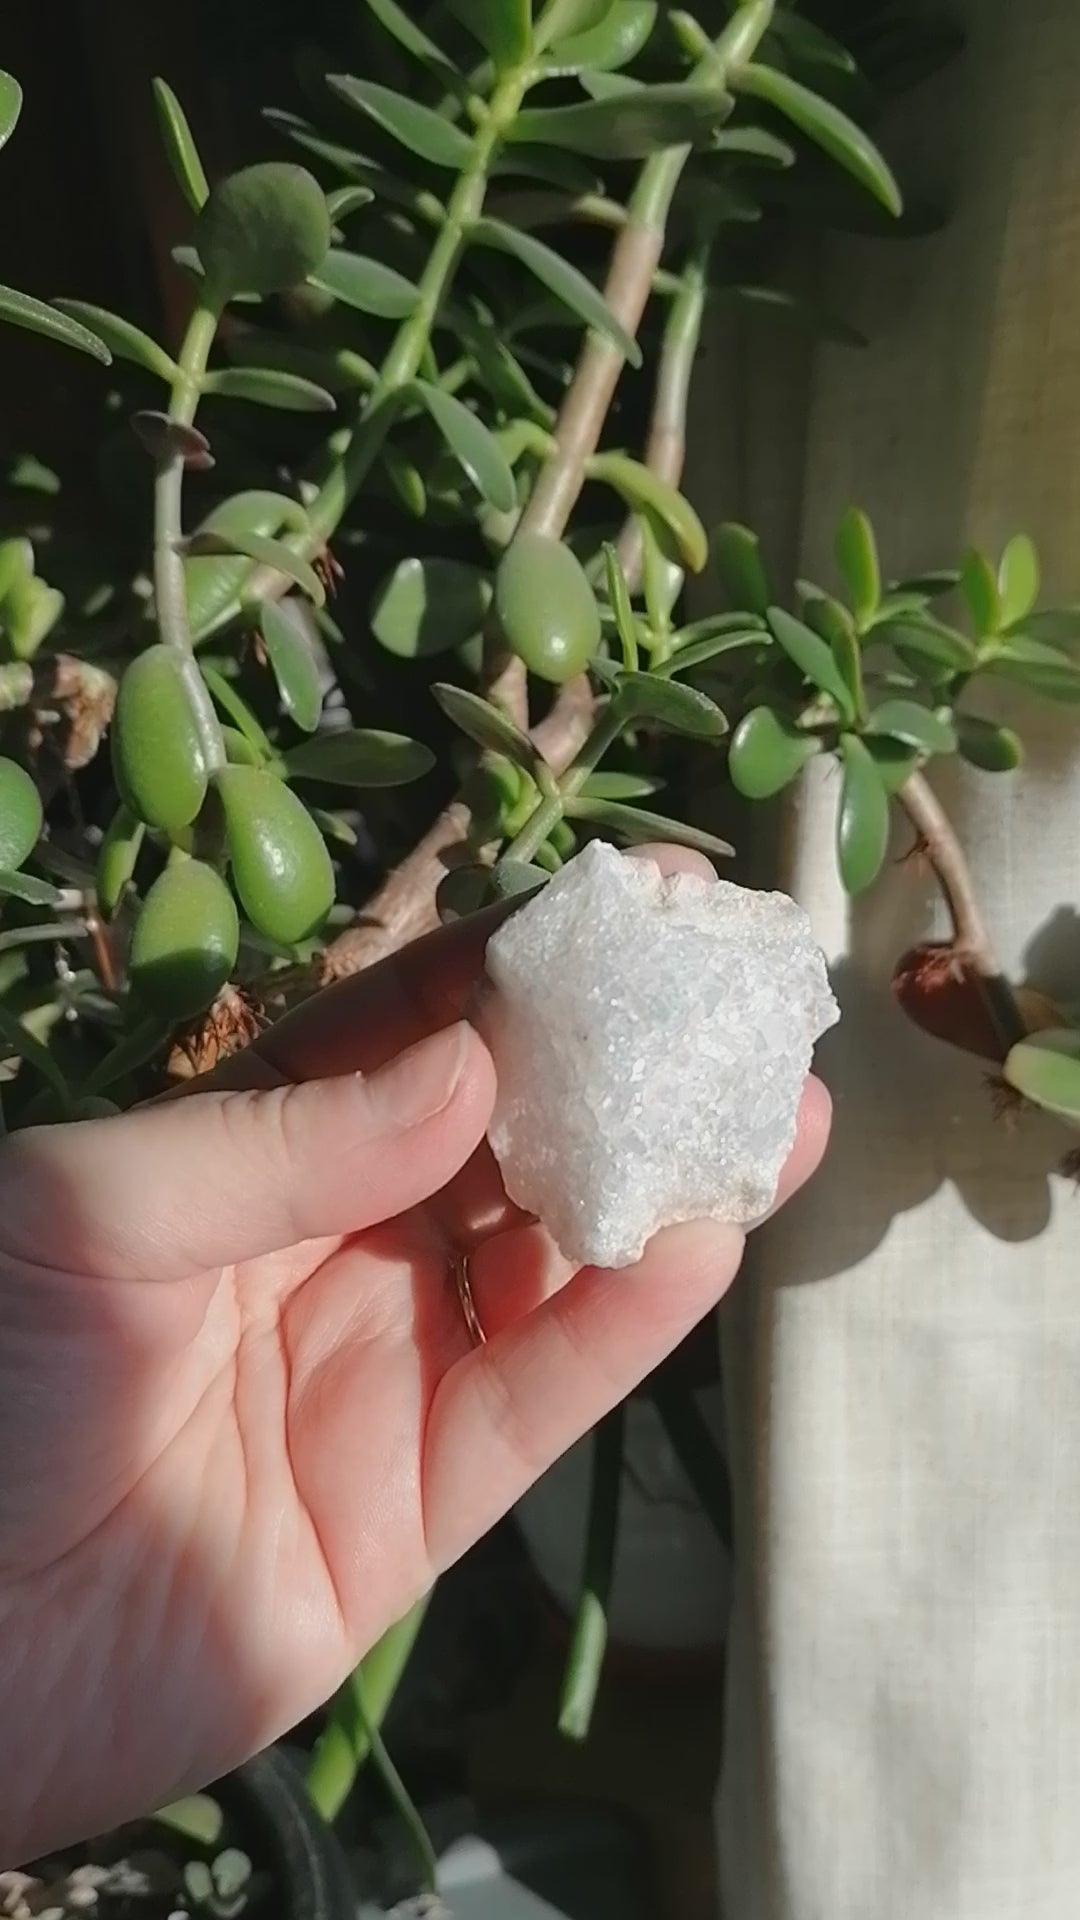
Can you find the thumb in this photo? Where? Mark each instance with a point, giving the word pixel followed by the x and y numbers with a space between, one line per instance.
pixel 220 1177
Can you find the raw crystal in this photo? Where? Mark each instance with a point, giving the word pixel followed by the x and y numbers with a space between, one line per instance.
pixel 651 1036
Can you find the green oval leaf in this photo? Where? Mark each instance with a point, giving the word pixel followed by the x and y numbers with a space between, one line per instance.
pixel 22 310
pixel 862 833
pixel 292 662
pixel 157 744
pixel 695 653
pixel 767 753
pixel 360 757
pixel 429 606
pixel 737 556
pixel 117 855
pixel 1045 1069
pixel 667 703
pixel 269 387
pixel 366 284
pixel 619 786
pixel 1056 627
pixel 213 584
pixel 813 657
pixel 1041 669
pixel 503 27
pixel 11 99
pixel 546 607
pixel 422 131
pixel 473 445
pixel 978 585
pixel 628 125
pixel 928 646
pixel 268 553
pixel 857 558
pixel 615 40
pixel 262 230
pixel 823 123
pixel 280 865
pixel 1018 579
pixel 180 148
pixel 20 814
pixel 649 493
pixel 565 281
pixel 185 941
pixel 638 827
pixel 486 725
pixel 917 726
pixel 987 746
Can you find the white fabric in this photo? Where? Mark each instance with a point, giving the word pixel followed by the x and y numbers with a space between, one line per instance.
pixel 903 1735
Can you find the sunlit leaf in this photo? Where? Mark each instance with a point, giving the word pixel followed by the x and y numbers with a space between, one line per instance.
pixel 292 662
pixel 857 558
pixel 668 703
pixel 630 125
pixel 564 280
pixel 1045 1069
pixel 366 284
pixel 917 726
pixel 472 444
pixel 613 42
pixel 823 123
pixel 862 833
pixel 360 757
pixel 270 387
pixel 487 725
pixel 22 310
pixel 813 657
pixel 27 887
pixel 180 148
pixel 620 786
pixel 11 99
pixel 623 612
pixel 638 827
pixel 503 27
pixel 267 553
pixel 767 753
pixel 1018 579
pixel 978 585
pixel 426 133
pixel 649 493
pixel 715 640
pixel 430 605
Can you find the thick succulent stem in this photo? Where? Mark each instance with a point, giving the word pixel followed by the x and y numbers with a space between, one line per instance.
pixel 938 838
pixel 170 595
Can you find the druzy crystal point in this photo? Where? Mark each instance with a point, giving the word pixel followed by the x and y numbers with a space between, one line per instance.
pixel 652 1036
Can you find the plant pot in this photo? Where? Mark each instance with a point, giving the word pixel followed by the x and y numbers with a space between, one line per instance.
pixel 672 1578
pixel 298 1860
pixel 266 1800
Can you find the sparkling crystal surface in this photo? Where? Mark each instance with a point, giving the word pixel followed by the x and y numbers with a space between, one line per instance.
pixel 651 1036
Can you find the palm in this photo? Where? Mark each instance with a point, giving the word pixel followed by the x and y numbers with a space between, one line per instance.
pixel 219 1485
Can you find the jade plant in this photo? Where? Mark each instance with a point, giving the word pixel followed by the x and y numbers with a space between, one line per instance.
pixel 463 327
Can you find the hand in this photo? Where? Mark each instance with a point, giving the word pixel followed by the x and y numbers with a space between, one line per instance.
pixel 242 1422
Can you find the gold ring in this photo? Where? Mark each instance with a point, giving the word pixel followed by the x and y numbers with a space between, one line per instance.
pixel 468 1304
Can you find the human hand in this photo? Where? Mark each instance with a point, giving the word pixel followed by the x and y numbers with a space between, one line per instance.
pixel 243 1425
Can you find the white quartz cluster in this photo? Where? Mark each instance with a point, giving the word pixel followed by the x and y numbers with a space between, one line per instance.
pixel 651 1036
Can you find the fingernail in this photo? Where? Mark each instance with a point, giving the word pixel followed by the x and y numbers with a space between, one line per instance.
pixel 421 1081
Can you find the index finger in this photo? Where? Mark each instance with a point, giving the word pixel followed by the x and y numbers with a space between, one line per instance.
pixel 358 1024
